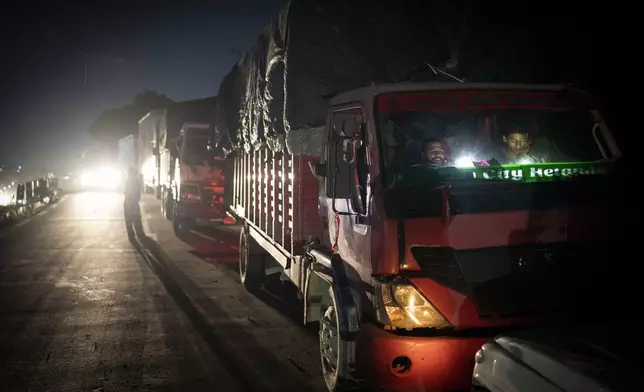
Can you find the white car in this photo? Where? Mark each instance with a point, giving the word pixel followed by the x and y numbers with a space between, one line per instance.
pixel 548 362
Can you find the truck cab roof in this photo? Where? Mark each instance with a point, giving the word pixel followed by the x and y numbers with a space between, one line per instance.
pixel 365 94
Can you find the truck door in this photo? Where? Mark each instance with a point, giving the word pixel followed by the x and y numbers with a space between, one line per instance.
pixel 348 189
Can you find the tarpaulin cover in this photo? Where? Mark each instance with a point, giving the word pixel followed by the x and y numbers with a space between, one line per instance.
pixel 277 93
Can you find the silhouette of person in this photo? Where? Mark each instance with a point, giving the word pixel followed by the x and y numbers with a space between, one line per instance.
pixel 131 208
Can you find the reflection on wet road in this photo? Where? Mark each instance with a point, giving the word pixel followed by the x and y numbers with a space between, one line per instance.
pixel 83 309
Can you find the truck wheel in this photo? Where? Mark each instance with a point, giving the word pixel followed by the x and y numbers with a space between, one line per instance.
pixel 251 262
pixel 180 225
pixel 168 205
pixel 164 208
pixel 337 354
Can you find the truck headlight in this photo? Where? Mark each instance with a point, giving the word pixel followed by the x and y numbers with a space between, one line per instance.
pixel 86 179
pixel 110 177
pixel 403 306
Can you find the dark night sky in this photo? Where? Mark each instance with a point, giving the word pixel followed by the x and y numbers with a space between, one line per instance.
pixel 182 51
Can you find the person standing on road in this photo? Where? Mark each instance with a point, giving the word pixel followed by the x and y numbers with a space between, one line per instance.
pixel 131 204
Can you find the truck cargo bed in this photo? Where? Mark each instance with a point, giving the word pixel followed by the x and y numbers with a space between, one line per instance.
pixel 278 197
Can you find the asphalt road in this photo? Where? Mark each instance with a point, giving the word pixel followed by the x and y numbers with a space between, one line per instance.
pixel 83 309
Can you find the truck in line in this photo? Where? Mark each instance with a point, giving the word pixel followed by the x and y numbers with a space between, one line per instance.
pixel 185 168
pixel 127 153
pixel 409 263
pixel 97 170
pixel 148 151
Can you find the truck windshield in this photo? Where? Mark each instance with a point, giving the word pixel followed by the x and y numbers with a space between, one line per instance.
pixel 525 132
pixel 198 151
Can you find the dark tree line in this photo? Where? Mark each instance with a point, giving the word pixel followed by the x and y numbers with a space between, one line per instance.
pixel 114 124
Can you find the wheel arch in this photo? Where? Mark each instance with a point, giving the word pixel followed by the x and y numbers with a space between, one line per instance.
pixel 326 276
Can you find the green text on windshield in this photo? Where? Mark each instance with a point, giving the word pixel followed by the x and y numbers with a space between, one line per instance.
pixel 513 135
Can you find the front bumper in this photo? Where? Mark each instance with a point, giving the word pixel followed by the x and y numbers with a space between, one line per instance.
pixel 430 363
pixel 201 211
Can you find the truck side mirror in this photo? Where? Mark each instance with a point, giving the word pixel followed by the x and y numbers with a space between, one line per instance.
pixel 338 168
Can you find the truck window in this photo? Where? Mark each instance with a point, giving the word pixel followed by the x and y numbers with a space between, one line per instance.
pixel 340 160
pixel 488 128
pixel 531 145
pixel 197 151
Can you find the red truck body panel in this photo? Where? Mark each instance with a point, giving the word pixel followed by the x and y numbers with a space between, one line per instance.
pixel 279 196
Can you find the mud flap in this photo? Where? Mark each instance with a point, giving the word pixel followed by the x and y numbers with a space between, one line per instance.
pixel 347 310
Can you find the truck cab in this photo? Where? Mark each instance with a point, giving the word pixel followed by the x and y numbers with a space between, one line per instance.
pixel 450 212
pixel 196 173
pixel 437 216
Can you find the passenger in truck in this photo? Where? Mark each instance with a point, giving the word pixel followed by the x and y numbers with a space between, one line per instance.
pixel 517 143
pixel 517 147
pixel 434 152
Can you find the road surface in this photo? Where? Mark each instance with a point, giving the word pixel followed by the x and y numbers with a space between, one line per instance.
pixel 83 309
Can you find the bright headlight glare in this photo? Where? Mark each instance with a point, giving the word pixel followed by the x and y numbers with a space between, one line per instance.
pixel 464 161
pixel 110 176
pixel 5 198
pixel 105 177
pixel 406 308
pixel 85 178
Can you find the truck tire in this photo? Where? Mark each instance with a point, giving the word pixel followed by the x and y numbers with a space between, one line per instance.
pixel 168 204
pixel 164 208
pixel 181 226
pixel 338 355
pixel 251 262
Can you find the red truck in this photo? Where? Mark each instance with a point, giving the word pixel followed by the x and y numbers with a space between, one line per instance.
pixel 193 192
pixel 416 220
pixel 182 163
pixel 410 269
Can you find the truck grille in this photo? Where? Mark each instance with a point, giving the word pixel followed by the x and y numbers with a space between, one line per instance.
pixel 512 280
pixel 439 264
